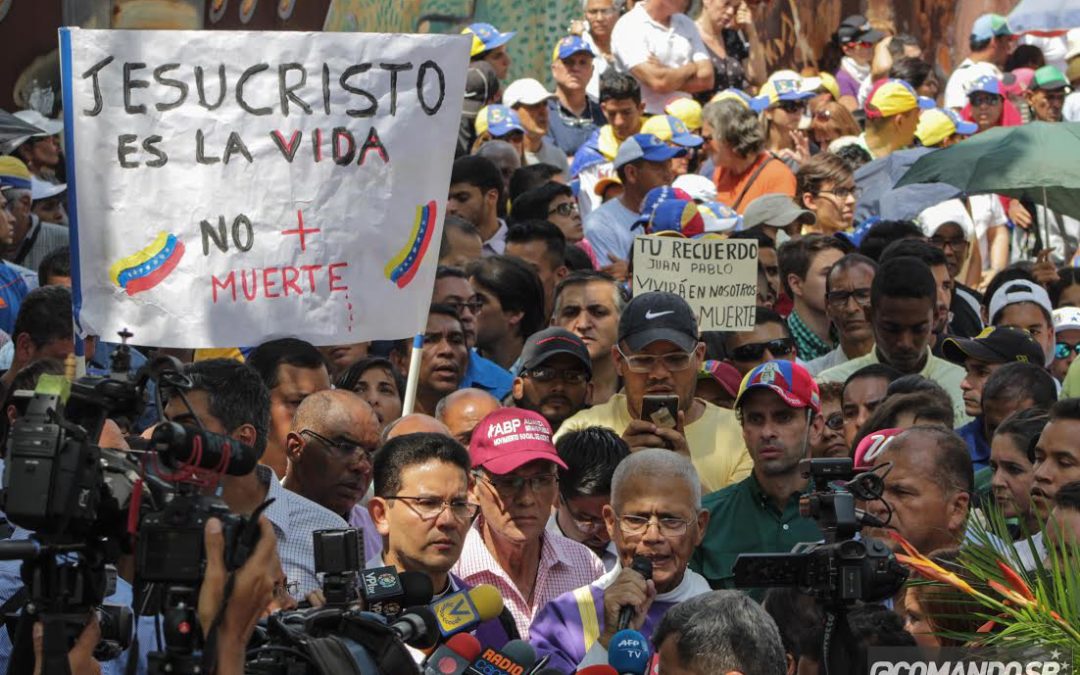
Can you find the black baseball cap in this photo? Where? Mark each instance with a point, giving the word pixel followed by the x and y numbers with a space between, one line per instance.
pixel 544 344
pixel 856 28
pixel 995 344
pixel 658 316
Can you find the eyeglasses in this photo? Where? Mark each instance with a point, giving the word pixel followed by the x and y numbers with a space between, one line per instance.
pixel 584 525
pixel 943 243
pixel 1062 350
pixel 430 508
pixel 983 99
pixel 342 449
pixel 792 106
pixel 565 209
pixel 546 374
pixel 473 306
pixel 755 350
pixel 644 363
pixel 835 421
pixel 636 526
pixel 512 485
pixel 841 193
pixel 840 298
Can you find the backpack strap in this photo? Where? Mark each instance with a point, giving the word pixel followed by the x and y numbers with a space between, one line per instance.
pixel 753 177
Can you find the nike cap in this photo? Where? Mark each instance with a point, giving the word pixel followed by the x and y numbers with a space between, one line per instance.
pixel 655 316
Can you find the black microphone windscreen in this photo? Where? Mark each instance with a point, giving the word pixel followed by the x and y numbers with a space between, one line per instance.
pixel 642 566
pixel 520 652
pixel 417 588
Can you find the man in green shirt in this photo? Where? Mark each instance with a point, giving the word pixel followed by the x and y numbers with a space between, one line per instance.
pixel 779 410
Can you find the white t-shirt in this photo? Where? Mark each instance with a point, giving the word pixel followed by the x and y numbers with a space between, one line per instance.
pixel 636 37
pixel 599 65
pixel 967 72
pixel 986 212
pixel 608 230
pixel 1071 109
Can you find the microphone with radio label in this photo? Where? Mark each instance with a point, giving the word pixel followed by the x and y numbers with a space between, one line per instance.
pixel 642 566
pixel 454 656
pixel 466 609
pixel 629 653
pixel 515 658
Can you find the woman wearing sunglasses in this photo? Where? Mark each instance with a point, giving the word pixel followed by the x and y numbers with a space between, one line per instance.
pixel 788 96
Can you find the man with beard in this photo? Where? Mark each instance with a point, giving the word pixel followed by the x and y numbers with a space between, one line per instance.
pixel 779 411
pixel 443 359
pixel 333 436
pixel 847 303
pixel 903 302
pixel 554 376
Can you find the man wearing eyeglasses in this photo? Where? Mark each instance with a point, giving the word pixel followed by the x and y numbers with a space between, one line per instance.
pixel 422 511
pixel 515 484
pixel 329 448
pixel 555 375
pixel 658 354
pixel 656 513
pixel 779 408
pixel 847 305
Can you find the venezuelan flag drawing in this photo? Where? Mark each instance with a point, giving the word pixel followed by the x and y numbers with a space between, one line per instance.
pixel 402 267
pixel 142 271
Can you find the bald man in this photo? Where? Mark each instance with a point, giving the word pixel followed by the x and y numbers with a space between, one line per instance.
pixel 414 423
pixel 334 433
pixel 462 410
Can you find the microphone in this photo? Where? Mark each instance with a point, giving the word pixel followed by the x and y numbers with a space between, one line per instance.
pixel 182 445
pixel 629 653
pixel 453 657
pixel 388 593
pixel 598 669
pixel 464 610
pixel 417 628
pixel 642 566
pixel 516 657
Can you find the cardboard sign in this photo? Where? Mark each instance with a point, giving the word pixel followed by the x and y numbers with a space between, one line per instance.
pixel 233 187
pixel 718 277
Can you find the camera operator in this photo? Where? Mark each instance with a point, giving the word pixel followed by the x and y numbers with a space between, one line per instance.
pixel 928 489
pixel 229 398
pixel 333 436
pixel 778 408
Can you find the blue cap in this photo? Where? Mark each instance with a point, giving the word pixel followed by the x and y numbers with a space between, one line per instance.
pixel 963 127
pixel 755 103
pixel 629 652
pixel 987 84
pixel 647 147
pixel 989 26
pixel 570 45
pixel 671 129
pixel 486 37
pixel 498 120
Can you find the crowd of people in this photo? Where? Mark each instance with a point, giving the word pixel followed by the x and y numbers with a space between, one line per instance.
pixel 535 458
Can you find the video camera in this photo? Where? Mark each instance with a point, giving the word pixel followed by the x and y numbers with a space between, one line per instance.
pixel 842 568
pixel 87 505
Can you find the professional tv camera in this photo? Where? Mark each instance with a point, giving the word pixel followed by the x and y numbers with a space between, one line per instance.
pixel 85 505
pixel 842 569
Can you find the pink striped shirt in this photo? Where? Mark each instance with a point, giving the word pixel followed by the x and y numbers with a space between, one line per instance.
pixel 564 566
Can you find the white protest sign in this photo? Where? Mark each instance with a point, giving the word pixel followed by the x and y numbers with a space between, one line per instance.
pixel 717 277
pixel 234 187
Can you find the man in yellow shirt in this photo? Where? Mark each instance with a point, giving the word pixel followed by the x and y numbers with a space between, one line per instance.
pixel 658 354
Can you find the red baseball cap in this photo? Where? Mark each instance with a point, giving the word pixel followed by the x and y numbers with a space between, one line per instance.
pixel 873 445
pixel 510 438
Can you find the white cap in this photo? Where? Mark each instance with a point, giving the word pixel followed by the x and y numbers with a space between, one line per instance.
pixel 950 211
pixel 50 126
pixel 43 189
pixel 1066 318
pixel 1072 40
pixel 700 188
pixel 526 91
pixel 1019 290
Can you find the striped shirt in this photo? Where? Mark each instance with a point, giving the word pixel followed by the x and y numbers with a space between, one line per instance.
pixel 564 566
pixel 41 239
pixel 294 519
